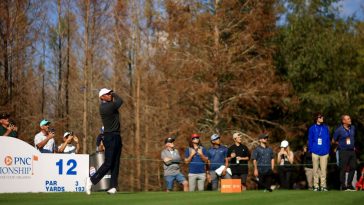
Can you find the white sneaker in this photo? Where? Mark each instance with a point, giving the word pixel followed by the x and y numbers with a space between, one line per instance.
pixel 88 186
pixel 111 191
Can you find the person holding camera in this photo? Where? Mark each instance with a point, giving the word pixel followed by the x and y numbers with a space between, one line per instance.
pixel 44 140
pixel 70 145
pixel 7 128
pixel 196 158
pixel 285 159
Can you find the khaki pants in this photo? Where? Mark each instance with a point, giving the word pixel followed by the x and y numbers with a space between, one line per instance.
pixel 198 179
pixel 319 164
pixel 309 177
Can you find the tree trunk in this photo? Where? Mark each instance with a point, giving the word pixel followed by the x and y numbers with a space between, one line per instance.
pixel 59 90
pixel 137 130
pixel 85 74
pixel 146 168
pixel 216 102
pixel 68 69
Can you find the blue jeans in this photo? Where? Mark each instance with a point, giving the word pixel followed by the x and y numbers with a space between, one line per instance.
pixel 170 179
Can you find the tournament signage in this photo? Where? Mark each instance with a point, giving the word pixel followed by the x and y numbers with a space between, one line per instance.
pixel 24 169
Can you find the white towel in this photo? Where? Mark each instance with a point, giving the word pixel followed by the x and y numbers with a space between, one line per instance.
pixel 220 169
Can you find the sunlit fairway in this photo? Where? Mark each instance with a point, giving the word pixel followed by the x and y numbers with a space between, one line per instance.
pixel 197 198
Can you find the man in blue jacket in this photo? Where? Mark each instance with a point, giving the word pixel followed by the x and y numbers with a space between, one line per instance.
pixel 344 136
pixel 319 146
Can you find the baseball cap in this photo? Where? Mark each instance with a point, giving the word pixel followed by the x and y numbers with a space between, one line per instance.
pixel 4 115
pixel 66 134
pixel 104 91
pixel 237 134
pixel 194 135
pixel 263 136
pixel 214 137
pixel 169 140
pixel 44 122
pixel 284 143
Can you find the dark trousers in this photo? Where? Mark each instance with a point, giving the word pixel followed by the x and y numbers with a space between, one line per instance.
pixel 347 163
pixel 113 146
pixel 265 179
pixel 242 177
pixel 285 177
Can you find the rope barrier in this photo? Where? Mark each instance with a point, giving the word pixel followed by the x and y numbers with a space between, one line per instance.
pixel 250 161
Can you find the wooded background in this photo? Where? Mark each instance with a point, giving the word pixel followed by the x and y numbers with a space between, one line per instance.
pixel 181 67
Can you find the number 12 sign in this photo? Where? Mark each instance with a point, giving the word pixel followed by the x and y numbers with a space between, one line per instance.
pixel 24 169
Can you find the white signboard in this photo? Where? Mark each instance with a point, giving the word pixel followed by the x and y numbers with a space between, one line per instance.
pixel 24 169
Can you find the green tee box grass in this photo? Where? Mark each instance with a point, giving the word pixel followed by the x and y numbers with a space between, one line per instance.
pixel 195 198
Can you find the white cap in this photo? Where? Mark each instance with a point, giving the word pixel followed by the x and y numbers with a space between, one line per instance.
pixel 284 143
pixel 104 91
pixel 66 134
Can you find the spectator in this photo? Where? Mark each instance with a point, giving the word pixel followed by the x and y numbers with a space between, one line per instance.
pixel 263 161
pixel 196 158
pixel 285 159
pixel 217 155
pixel 239 156
pixel 307 161
pixel 100 141
pixel 7 128
pixel 68 147
pixel 44 140
pixel 319 146
pixel 171 160
pixel 344 136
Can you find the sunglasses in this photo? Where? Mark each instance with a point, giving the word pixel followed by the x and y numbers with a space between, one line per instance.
pixel 195 138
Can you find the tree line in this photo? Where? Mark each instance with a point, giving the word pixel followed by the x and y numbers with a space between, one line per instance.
pixel 181 67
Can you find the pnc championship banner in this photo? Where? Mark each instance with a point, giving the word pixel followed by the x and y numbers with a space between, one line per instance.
pixel 24 169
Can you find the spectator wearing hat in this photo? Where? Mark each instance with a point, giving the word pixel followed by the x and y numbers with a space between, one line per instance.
pixel 196 158
pixel 263 161
pixel 70 144
pixel 319 146
pixel 171 160
pixel 285 159
pixel 7 128
pixel 344 137
pixel 217 155
pixel 239 156
pixel 44 140
pixel 109 112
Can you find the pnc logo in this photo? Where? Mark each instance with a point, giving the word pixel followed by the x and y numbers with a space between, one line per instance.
pixel 8 160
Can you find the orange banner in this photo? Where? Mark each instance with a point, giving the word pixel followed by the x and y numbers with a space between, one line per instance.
pixel 230 186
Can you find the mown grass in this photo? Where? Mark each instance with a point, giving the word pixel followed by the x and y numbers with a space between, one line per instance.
pixel 180 198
